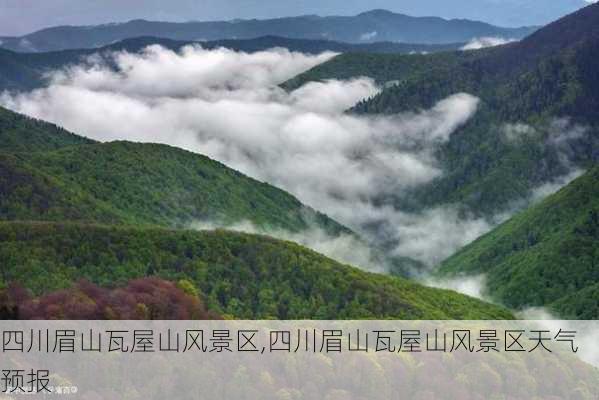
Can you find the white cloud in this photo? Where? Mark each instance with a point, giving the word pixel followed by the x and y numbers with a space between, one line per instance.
pixel 516 132
pixel 346 249
pixel 473 286
pixel 435 234
pixel 553 186
pixel 26 45
pixel 562 131
pixel 557 135
pixel 483 42
pixel 227 105
pixel 365 37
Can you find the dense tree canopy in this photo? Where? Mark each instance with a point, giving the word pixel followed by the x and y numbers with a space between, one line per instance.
pixel 546 255
pixel 241 275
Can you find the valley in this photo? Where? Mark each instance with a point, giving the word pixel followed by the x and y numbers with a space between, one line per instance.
pixel 214 173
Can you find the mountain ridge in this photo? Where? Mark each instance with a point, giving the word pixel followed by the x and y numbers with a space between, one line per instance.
pixel 550 95
pixel 27 71
pixel 547 255
pixel 237 274
pixel 56 164
pixel 361 28
pixel 109 213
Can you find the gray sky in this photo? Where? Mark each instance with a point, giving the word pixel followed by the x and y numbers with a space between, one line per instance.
pixel 18 17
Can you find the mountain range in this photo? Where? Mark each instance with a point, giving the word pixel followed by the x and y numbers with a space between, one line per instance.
pixel 367 27
pixel 503 13
pixel 535 129
pixel 72 208
pixel 75 209
pixel 27 71
pixel 545 86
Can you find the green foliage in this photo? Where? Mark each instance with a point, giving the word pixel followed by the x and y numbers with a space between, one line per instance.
pixel 583 304
pixel 163 185
pixel 551 74
pixel 19 133
pixel 147 185
pixel 28 194
pixel 55 175
pixel 546 255
pixel 383 68
pixel 484 171
pixel 246 276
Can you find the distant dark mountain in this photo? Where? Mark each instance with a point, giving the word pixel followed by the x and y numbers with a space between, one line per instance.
pixel 25 71
pixel 535 72
pixel 372 26
pixel 315 46
pixel 497 12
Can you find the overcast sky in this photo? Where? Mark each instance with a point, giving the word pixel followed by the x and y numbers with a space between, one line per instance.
pixel 18 17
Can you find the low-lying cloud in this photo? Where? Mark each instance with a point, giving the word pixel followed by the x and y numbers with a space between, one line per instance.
pixel 368 36
pixel 541 192
pixel 344 248
pixel 434 234
pixel 559 136
pixel 227 105
pixel 473 286
pixel 483 42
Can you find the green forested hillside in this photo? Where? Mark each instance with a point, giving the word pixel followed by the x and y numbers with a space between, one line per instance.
pixel 547 255
pixel 164 185
pixel 521 83
pixel 547 83
pixel 29 194
pixel 390 69
pixel 19 133
pixel 242 275
pixel 551 71
pixel 537 120
pixel 50 174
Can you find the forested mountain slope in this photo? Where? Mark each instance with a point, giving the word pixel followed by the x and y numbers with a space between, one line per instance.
pixel 385 69
pixel 551 71
pixel 537 119
pixel 21 133
pixel 56 187
pixel 245 276
pixel 547 255
pixel 78 179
